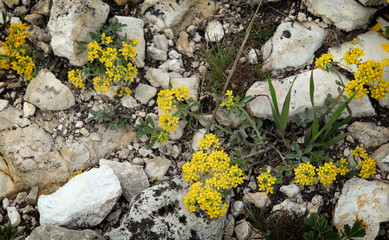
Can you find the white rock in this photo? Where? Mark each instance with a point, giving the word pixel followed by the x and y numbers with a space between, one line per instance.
pixel 371 42
pixel 143 93
pixel 161 42
pixel 290 190
pixel 71 21
pixel 134 29
pixel 229 227
pixel 175 65
pixel 237 208
pixel 3 104
pixel 191 83
pixel 259 199
pixel 82 202
pixel 233 119
pixel 14 216
pixel 5 203
pixel 196 137
pixel 184 46
pixel 344 14
pixel 292 45
pixel 291 207
pixel 365 200
pixel 369 134
pixel 174 54
pixel 28 109
pixel 381 157
pixel 214 31
pixel 243 230
pixel 253 56
pixel 129 102
pixel 156 54
pixel 317 201
pixel 79 124
pixel 324 85
pixel 133 179
pixel 177 134
pixel 157 167
pixel 158 77
pixel 48 93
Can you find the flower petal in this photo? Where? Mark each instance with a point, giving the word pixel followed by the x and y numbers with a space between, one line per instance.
pixel 377 27
pixel 385 61
pixel 385 47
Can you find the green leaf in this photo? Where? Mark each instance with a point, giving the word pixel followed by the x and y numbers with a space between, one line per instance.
pixel 285 109
pixel 334 140
pixel 355 231
pixel 246 99
pixel 290 155
pixel 336 127
pixel 309 236
pixel 273 96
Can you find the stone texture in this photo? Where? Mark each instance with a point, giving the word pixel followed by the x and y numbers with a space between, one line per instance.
pixel 134 29
pixel 324 85
pixel 31 159
pixel 28 109
pixel 71 21
pixel 291 207
pixel 9 117
pixel 14 216
pixel 290 190
pixel 292 46
pixel 46 92
pixel 32 196
pixel 214 31
pixel 363 200
pixel 50 231
pixel 158 77
pixel 157 167
pixel 156 54
pixel 259 199
pixel 344 14
pixel 144 93
pixel 373 2
pixel 369 134
pixel 133 179
pixel 243 230
pixel 42 7
pixel 184 46
pixel 159 213
pixel 177 14
pixel 233 119
pixel 84 201
pixel 381 157
pixel 3 104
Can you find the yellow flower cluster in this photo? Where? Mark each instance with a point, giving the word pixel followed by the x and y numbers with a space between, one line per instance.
pixel 266 182
pixel 75 173
pixel 210 174
pixel 207 141
pixel 229 101
pixel 305 174
pixel 327 173
pixel 353 56
pixel 15 51
pixel 167 101
pixel 365 162
pixel 324 60
pixel 118 69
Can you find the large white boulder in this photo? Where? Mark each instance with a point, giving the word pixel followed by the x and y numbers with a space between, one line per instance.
pixel 71 21
pixel 82 202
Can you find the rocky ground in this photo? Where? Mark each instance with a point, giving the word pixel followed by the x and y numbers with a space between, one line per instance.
pixel 127 191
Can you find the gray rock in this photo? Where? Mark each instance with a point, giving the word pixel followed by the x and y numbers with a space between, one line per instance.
pixel 243 230
pixel 157 167
pixel 253 59
pixel 381 157
pixel 158 77
pixel 372 2
pixel 14 216
pixel 237 208
pixel 71 21
pixel 292 46
pixel 134 29
pixel 365 200
pixel 156 54
pixel 84 201
pixel 3 104
pixel 28 109
pixel 233 119
pixel 143 93
pixel 161 42
pixel 32 196
pixel 9 117
pixel 259 199
pixel 344 14
pixel 324 85
pixel 11 3
pixel 196 137
pixel 38 162
pixel 291 207
pixel 42 7
pixel 50 231
pixel 159 213
pixel 129 102
pixel 133 179
pixel 48 93
pixel 290 190
pixel 229 228
pixel 214 31
pixel 369 134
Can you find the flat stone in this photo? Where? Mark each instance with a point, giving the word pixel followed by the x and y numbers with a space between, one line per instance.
pixel 158 77
pixel 259 199
pixel 381 157
pixel 156 54
pixel 372 2
pixel 161 42
pixel 157 167
pixel 9 117
pixel 196 137
pixel 324 85
pixel 214 31
pixel 184 46
pixel 243 230
pixel 369 134
pixel 3 104
pixel 292 46
pixel 291 207
pixel 50 231
pixel 71 21
pixel 28 109
pixel 237 208
pixel 129 102
pixel 42 7
pixel 363 200
pixel 160 213
pixel 32 196
pixel 344 14
pixel 84 201
pixel 134 29
pixel 133 179
pixel 233 119
pixel 46 92
pixel 290 190
pixel 14 216
pixel 144 93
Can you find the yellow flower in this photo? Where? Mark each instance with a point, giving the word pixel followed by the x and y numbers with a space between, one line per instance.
pixel 368 167
pixel 342 167
pixel 229 101
pixel 75 78
pixel 355 87
pixel 305 174
pixel 266 182
pixel 128 51
pixel 109 56
pixel 105 40
pixel 369 71
pixel 324 60
pixel 353 56
pixel 163 136
pixel 168 122
pixel 94 50
pixel 207 141
pixel 327 173
pixel 377 27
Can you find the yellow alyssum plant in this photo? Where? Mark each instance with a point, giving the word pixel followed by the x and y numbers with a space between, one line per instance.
pixel 211 175
pixel 109 66
pixel 16 55
pixel 266 182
